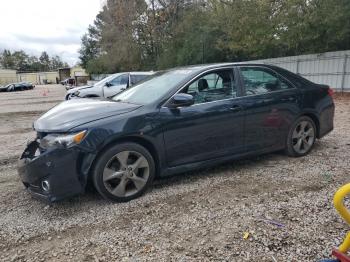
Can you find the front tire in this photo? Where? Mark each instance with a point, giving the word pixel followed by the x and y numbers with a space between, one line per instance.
pixel 123 172
pixel 90 96
pixel 301 137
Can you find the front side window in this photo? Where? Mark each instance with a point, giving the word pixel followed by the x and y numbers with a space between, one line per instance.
pixel 106 80
pixel 259 80
pixel 120 80
pixel 213 86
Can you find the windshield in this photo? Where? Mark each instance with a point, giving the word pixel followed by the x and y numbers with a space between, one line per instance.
pixel 107 79
pixel 153 88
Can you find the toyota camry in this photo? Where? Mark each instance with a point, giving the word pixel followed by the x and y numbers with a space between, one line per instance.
pixel 178 120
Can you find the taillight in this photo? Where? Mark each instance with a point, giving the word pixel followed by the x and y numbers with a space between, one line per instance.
pixel 330 92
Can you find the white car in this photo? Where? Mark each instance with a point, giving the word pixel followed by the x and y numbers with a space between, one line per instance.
pixel 108 86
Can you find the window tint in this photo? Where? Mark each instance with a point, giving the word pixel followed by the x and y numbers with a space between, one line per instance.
pixel 258 80
pixel 120 80
pixel 107 79
pixel 137 78
pixel 124 79
pixel 211 87
pixel 297 80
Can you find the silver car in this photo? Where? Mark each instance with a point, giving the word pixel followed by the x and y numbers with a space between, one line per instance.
pixel 108 86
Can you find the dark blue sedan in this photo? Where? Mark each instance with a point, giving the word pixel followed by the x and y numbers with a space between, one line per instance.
pixel 178 120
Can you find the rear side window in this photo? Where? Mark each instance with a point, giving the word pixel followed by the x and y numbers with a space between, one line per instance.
pixel 259 80
pixel 137 78
pixel 297 80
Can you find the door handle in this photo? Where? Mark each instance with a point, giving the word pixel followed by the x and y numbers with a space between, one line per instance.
pixel 235 108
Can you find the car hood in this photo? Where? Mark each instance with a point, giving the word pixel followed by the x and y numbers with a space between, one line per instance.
pixel 72 90
pixel 72 113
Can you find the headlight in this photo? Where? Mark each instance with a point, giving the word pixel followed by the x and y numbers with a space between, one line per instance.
pixel 62 140
pixel 76 93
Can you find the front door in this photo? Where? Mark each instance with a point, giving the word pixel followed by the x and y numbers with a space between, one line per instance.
pixel 212 127
pixel 116 85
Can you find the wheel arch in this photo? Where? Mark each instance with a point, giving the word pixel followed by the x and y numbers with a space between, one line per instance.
pixel 133 139
pixel 315 119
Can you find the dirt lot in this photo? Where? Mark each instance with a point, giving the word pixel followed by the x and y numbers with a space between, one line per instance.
pixel 196 216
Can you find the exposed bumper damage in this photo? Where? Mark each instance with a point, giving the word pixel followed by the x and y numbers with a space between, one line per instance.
pixel 51 175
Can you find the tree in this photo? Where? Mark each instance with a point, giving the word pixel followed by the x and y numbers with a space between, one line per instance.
pixel 56 63
pixel 45 61
pixel 7 60
pixel 194 41
pixel 156 34
pixel 88 50
pixel 34 64
pixel 21 61
pixel 118 39
pixel 315 26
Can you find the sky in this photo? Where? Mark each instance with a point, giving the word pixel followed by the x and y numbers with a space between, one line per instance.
pixel 55 26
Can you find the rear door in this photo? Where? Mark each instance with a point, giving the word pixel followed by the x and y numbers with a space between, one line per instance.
pixel 271 105
pixel 212 127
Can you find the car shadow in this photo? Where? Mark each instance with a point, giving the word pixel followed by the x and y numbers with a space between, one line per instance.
pixel 92 197
pixel 161 183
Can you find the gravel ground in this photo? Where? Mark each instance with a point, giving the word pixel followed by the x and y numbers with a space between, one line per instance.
pixel 198 216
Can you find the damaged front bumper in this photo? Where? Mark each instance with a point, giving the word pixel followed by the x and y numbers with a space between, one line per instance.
pixel 52 174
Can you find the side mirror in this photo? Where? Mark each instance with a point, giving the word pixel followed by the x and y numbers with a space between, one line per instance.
pixel 108 84
pixel 181 100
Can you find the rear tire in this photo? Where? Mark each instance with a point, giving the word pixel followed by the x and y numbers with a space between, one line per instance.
pixel 123 172
pixel 301 137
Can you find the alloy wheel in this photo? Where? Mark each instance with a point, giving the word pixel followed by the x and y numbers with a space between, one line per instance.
pixel 126 173
pixel 303 137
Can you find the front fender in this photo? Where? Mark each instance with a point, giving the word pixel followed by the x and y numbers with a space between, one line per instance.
pixel 106 132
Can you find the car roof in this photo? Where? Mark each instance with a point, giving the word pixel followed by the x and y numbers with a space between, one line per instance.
pixel 142 73
pixel 208 66
pixel 195 69
pixel 135 73
pixel 201 67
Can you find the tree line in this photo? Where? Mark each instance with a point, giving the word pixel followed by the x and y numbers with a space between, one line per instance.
pixel 156 34
pixel 23 62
